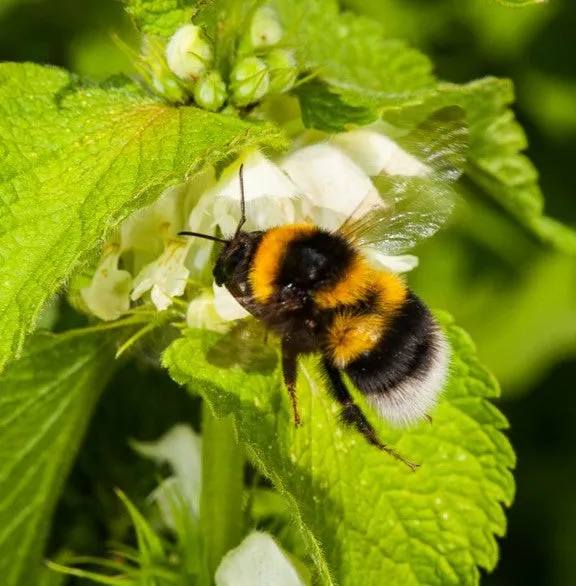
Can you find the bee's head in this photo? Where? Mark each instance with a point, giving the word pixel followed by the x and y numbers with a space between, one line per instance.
pixel 233 262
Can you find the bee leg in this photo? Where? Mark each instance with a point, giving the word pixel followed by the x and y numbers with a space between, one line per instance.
pixel 290 371
pixel 351 414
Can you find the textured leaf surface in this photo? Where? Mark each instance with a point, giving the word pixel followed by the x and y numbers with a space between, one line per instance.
pixel 351 55
pixel 432 527
pixel 160 17
pixel 47 397
pixel 496 163
pixel 75 161
pixel 324 110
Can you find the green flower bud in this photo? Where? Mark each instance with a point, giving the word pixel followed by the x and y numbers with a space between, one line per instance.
pixel 249 81
pixel 283 70
pixel 155 71
pixel 265 30
pixel 210 91
pixel 187 53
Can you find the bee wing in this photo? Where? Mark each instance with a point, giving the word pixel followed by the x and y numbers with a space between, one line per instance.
pixel 416 206
pixel 244 346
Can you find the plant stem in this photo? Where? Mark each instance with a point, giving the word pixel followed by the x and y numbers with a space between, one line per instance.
pixel 221 516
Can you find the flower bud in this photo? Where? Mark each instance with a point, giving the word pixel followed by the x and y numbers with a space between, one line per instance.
pixel 283 70
pixel 187 53
pixel 210 91
pixel 155 71
pixel 250 81
pixel 265 30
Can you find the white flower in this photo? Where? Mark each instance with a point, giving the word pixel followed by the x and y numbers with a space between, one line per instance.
pixel 160 259
pixel 166 277
pixel 187 53
pixel 265 29
pixel 108 295
pixel 378 154
pixel 271 198
pixel 145 232
pixel 335 186
pixel 181 448
pixel 212 310
pixel 257 561
pixel 226 306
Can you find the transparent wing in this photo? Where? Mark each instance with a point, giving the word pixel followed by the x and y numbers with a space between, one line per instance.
pixel 416 206
pixel 244 346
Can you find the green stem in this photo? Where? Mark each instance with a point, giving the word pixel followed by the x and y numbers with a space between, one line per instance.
pixel 221 516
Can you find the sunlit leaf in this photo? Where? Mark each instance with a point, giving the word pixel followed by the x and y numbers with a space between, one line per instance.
pixel 363 514
pixel 77 159
pixel 496 163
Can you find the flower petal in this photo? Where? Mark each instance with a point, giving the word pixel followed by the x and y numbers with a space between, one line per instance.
pixel 108 295
pixel 166 276
pixel 160 299
pixel 202 313
pixel 397 264
pixel 148 228
pixel 144 281
pixel 335 185
pixel 181 448
pixel 226 306
pixel 271 198
pixel 376 153
pixel 257 561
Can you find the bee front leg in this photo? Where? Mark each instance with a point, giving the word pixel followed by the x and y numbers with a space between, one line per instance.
pixel 290 372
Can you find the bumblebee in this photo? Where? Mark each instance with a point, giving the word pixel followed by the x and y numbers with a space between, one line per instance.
pixel 318 291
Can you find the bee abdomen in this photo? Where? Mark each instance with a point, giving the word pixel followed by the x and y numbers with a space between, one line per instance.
pixel 403 375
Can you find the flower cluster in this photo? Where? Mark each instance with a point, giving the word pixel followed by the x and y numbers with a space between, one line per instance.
pixel 147 263
pixel 184 69
pixel 258 560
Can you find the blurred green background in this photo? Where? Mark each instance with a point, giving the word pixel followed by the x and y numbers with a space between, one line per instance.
pixel 516 298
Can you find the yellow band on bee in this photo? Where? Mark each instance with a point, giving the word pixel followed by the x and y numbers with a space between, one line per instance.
pixel 269 257
pixel 349 336
pixel 351 287
pixel 392 291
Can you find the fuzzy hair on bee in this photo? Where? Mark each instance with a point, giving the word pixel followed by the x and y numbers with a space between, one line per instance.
pixel 318 292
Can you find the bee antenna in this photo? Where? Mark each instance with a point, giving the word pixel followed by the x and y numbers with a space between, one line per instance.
pixel 205 236
pixel 242 202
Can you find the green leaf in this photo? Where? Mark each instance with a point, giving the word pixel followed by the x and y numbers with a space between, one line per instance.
pixel 324 110
pixel 47 398
pixel 150 548
pixel 350 54
pixel 160 17
pixel 364 515
pixel 496 163
pixel 77 159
